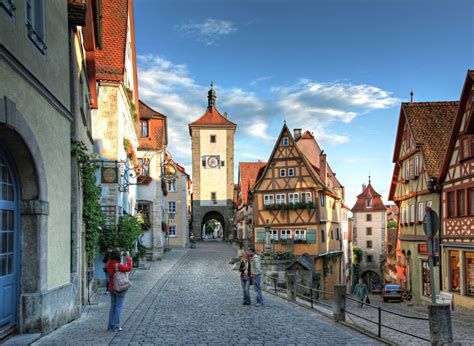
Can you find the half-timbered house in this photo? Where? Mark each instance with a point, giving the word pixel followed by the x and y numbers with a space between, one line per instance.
pixel 297 201
pixel 422 138
pixel 457 179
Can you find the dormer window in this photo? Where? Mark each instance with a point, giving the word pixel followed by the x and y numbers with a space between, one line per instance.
pixel 368 203
pixel 286 141
pixel 144 128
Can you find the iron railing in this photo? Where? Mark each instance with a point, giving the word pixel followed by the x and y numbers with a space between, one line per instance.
pixel 315 296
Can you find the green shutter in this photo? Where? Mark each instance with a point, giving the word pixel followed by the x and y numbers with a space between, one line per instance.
pixel 260 236
pixel 311 236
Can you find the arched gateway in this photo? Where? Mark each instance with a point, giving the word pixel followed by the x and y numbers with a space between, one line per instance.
pixel 212 138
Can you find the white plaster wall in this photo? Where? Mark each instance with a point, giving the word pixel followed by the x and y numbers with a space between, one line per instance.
pixel 378 224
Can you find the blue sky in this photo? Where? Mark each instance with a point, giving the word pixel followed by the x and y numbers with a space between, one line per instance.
pixel 337 68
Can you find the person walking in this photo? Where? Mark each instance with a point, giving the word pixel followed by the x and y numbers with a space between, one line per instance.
pixel 257 275
pixel 361 291
pixel 245 277
pixel 116 298
pixel 105 260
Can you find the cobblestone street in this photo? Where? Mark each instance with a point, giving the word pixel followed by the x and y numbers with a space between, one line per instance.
pixel 192 297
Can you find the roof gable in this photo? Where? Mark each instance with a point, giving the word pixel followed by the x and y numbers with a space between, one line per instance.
pixel 369 193
pixel 248 172
pixel 464 100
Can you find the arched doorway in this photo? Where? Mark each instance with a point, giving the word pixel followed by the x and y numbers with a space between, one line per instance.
pixel 371 279
pixel 213 226
pixel 9 243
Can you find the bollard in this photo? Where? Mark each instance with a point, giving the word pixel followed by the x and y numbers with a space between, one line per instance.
pixel 291 287
pixel 441 329
pixel 339 307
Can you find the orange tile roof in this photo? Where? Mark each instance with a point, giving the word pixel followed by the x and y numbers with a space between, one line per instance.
pixel 110 60
pixel 431 124
pixel 369 193
pixel 213 117
pixel 157 128
pixel 248 172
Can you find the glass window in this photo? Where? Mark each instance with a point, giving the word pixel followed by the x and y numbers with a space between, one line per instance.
pixel 144 210
pixel 338 234
pixel 291 172
pixel 425 279
pixel 368 203
pixel 421 213
pixel 300 234
pixel 282 172
pixel 285 234
pixel 461 209
pixel 293 198
pixel 407 169
pixel 412 213
pixel 368 231
pixel 369 259
pixel 35 23
pixel 322 198
pixel 144 128
pixel 213 196
pixel 172 207
pixel 273 234
pixel 306 197
pixel 451 204
pixel 323 236
pixel 268 199
pixel 368 217
pixel 455 284
pixel 469 274
pixel 213 138
pixel 145 167
pixel 172 230
pixel 415 166
pixel 280 198
pixel 369 244
pixel 171 185
pixel 286 141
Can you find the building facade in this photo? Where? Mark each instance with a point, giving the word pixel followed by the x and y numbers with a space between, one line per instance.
pixel 346 245
pixel 212 140
pixel 39 285
pixel 457 179
pixel 243 214
pixel 177 203
pixel 153 139
pixel 369 215
pixel 420 148
pixel 297 201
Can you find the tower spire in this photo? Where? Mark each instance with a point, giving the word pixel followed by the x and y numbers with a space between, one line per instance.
pixel 211 97
pixel 369 177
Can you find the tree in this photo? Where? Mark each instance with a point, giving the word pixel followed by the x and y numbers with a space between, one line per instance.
pixel 211 226
pixel 392 224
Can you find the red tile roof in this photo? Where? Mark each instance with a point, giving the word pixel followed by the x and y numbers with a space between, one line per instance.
pixel 212 117
pixel 110 60
pixel 157 129
pixel 431 124
pixel 369 193
pixel 308 145
pixel 248 172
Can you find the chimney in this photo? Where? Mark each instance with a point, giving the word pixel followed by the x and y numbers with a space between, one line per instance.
pixel 364 187
pixel 225 115
pixel 323 168
pixel 297 134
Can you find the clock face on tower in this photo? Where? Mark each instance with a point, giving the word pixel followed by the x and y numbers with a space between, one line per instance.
pixel 213 161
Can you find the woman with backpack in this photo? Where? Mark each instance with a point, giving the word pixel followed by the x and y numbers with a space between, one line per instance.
pixel 117 294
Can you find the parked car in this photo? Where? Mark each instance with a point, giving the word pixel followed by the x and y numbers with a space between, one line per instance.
pixel 377 288
pixel 392 292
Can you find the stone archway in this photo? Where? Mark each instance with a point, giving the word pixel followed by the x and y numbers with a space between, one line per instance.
pixel 370 278
pixel 19 147
pixel 212 215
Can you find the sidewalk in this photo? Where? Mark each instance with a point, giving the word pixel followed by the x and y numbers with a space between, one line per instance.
pixel 93 321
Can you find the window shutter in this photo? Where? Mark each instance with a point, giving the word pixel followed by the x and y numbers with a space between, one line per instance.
pixel 260 236
pixel 311 236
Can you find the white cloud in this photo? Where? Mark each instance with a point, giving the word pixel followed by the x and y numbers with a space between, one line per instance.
pixel 261 79
pixel 209 31
pixel 170 89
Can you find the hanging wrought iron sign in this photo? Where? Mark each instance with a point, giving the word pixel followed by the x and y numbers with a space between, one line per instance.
pixel 109 175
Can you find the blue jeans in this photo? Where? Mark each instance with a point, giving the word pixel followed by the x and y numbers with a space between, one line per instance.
pixel 107 281
pixel 116 305
pixel 258 289
pixel 246 290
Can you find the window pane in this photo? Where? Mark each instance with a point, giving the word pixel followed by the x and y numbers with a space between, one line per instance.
pixel 10 264
pixel 471 201
pixel 450 204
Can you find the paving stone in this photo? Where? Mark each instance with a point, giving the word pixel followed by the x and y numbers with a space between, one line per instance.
pixel 193 297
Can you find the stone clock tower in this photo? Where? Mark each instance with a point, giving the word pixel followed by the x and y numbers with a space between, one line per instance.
pixel 212 141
